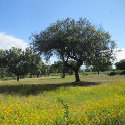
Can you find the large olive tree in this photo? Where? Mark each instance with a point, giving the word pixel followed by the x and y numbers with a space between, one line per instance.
pixel 77 40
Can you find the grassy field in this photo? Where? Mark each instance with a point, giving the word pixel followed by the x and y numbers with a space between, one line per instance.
pixel 52 100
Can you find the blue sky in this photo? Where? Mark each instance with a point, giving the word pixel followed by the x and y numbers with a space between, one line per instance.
pixel 20 18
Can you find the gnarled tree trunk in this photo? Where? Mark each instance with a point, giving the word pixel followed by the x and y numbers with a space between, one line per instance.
pixel 63 74
pixel 77 75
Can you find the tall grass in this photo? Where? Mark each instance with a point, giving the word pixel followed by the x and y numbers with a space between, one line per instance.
pixel 52 100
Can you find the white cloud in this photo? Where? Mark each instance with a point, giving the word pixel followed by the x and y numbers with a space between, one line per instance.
pixel 121 54
pixel 7 42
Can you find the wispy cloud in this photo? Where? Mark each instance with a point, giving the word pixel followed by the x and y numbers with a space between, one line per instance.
pixel 7 42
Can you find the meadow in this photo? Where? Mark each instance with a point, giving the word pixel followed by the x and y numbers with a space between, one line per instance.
pixel 97 100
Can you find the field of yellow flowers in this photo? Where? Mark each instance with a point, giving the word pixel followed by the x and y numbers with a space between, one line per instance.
pixel 55 101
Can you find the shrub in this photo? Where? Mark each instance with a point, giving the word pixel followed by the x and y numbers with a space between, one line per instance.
pixel 122 73
pixel 112 73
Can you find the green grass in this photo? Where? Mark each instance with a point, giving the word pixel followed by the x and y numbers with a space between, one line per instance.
pixel 98 99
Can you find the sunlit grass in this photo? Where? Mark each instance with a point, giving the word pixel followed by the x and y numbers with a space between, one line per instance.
pixel 96 104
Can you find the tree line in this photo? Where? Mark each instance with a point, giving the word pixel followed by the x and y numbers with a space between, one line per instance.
pixel 18 62
pixel 74 43
pixel 22 62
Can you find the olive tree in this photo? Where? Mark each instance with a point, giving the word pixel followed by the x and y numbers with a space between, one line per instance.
pixel 120 65
pixel 16 62
pixel 77 40
pixel 34 62
pixel 3 63
pixel 20 62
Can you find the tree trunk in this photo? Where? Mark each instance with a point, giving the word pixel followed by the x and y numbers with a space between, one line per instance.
pixel 2 74
pixel 98 72
pixel 30 75
pixel 63 73
pixel 78 64
pixel 77 76
pixel 18 77
pixel 37 75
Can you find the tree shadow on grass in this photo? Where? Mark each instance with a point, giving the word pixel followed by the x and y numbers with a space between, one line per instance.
pixel 34 89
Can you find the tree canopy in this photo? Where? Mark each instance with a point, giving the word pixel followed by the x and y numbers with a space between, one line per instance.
pixel 16 62
pixel 20 62
pixel 77 40
pixel 120 65
pixel 34 62
pixel 101 64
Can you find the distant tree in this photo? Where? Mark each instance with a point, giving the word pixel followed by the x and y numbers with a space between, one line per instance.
pixel 47 69
pixel 34 62
pixel 60 67
pixel 3 63
pixel 101 64
pixel 20 62
pixel 120 65
pixel 43 71
pixel 105 66
pixel 16 62
pixel 39 68
pixel 55 68
pixel 76 40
